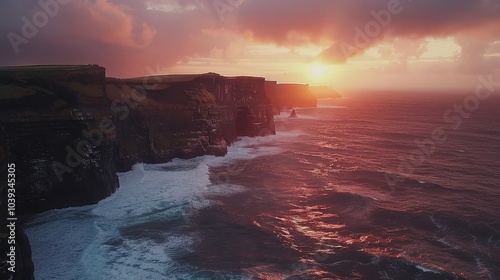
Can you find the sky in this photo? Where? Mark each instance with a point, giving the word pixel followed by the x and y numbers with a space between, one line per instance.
pixel 362 44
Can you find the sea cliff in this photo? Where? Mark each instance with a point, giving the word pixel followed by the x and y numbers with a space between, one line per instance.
pixel 48 119
pixel 286 96
pixel 69 129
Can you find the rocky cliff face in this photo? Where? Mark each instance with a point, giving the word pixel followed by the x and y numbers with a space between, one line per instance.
pixel 47 118
pixel 324 92
pixel 183 116
pixel 254 114
pixel 176 117
pixel 285 96
pixel 272 93
pixel 69 128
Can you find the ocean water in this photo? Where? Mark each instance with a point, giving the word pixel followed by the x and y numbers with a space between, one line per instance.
pixel 354 189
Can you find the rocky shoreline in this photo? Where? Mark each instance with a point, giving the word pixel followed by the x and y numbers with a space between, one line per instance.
pixel 70 129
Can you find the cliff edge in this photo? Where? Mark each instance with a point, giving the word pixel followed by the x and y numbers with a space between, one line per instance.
pixel 69 128
pixel 287 96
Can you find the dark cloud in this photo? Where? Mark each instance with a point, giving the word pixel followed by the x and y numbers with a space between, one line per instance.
pixel 352 26
pixel 126 36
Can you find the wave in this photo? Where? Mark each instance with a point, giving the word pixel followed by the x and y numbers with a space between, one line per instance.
pixel 355 264
pixel 140 225
pixel 141 230
pixel 153 209
pixel 58 238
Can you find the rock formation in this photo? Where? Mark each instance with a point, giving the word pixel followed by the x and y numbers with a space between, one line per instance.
pixel 183 116
pixel 48 116
pixel 69 129
pixel 287 96
pixel 254 115
pixel 324 92
pixel 176 117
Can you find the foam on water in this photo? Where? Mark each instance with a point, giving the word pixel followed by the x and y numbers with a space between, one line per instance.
pixel 58 239
pixel 138 232
pixel 147 189
pixel 426 269
pixel 140 227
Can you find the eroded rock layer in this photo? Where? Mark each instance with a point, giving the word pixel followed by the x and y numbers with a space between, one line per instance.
pixel 69 129
pixel 287 96
pixel 47 116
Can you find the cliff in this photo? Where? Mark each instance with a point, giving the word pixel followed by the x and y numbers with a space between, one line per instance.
pixel 48 119
pixel 69 129
pixel 184 116
pixel 254 112
pixel 324 92
pixel 176 117
pixel 286 96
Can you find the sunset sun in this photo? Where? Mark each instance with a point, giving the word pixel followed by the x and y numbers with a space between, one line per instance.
pixel 318 71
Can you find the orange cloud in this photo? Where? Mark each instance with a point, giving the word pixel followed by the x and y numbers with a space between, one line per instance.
pixel 126 36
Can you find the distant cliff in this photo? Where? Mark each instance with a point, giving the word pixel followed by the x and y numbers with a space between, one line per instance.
pixel 69 129
pixel 324 92
pixel 286 96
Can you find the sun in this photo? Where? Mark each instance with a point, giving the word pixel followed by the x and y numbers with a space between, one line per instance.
pixel 318 71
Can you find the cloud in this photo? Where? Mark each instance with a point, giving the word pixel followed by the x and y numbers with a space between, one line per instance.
pixel 399 50
pixel 115 25
pixel 350 27
pixel 126 36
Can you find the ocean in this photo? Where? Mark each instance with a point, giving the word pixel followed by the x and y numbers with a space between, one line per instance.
pixel 371 186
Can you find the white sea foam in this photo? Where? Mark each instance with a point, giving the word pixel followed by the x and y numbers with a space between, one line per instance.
pixel 426 269
pixel 436 223
pixel 449 244
pixel 145 190
pixel 58 239
pixel 482 270
pixel 132 242
pixel 128 235
pixel 282 116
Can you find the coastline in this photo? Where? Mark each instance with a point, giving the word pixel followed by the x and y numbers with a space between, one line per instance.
pixel 132 209
pixel 71 130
